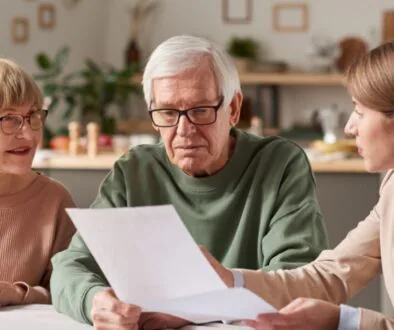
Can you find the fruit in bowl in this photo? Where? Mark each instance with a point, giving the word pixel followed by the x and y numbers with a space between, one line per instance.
pixel 105 141
pixel 59 143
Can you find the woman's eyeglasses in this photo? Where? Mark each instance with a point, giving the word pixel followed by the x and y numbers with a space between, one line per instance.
pixel 11 124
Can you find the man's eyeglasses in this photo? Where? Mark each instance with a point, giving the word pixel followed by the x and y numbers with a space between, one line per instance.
pixel 202 115
pixel 10 124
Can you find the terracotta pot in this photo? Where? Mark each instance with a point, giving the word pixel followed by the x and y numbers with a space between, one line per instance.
pixel 242 64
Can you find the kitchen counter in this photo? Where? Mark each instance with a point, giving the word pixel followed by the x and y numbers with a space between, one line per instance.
pixel 106 161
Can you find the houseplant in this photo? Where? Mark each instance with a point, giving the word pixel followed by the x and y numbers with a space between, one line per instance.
pixel 244 50
pixel 92 90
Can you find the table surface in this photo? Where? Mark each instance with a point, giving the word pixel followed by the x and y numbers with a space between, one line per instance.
pixel 44 317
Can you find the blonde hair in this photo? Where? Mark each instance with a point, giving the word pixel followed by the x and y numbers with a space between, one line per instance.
pixel 17 88
pixel 370 78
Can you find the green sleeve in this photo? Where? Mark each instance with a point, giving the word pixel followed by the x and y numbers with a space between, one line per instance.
pixel 76 277
pixel 296 233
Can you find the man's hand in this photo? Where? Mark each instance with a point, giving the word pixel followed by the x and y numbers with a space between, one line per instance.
pixel 154 321
pixel 301 314
pixel 225 274
pixel 108 312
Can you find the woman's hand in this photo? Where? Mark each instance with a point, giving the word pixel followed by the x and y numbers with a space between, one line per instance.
pixel 225 274
pixel 302 313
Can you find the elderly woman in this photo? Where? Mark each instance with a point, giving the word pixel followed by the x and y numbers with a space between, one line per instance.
pixel 339 274
pixel 33 223
pixel 238 194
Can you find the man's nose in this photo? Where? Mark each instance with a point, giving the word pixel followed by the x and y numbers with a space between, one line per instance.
pixel 185 127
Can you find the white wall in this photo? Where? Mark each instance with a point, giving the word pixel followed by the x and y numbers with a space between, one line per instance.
pixel 83 28
pixel 335 18
pixel 100 29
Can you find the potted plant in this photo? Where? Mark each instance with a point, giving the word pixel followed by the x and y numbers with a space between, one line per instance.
pixel 92 90
pixel 243 50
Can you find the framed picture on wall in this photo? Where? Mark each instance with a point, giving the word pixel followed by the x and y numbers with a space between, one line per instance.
pixel 19 30
pixel 237 11
pixel 290 17
pixel 46 16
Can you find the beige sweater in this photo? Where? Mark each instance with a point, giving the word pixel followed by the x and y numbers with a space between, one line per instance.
pixel 33 227
pixel 339 274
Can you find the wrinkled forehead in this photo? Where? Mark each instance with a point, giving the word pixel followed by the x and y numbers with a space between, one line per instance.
pixel 186 89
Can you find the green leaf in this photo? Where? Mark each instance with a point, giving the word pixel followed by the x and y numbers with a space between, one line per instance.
pixel 52 106
pixel 70 76
pixel 45 76
pixel 47 136
pixel 43 62
pixel 71 102
pixel 94 67
pixel 129 71
pixel 243 47
pixel 62 131
pixel 111 77
pixel 61 58
pixel 50 89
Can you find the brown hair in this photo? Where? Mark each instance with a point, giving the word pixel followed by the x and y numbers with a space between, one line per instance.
pixel 17 87
pixel 370 78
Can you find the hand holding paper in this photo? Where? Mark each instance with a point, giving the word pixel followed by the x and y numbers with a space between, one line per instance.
pixel 151 260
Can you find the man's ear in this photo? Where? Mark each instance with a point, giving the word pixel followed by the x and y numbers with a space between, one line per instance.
pixel 235 108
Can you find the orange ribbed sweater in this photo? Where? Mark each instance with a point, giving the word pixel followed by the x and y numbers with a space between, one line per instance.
pixel 33 227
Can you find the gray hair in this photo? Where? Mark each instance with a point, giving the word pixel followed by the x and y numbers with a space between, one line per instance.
pixel 180 53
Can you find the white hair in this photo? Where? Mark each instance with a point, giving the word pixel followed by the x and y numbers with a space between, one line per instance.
pixel 180 53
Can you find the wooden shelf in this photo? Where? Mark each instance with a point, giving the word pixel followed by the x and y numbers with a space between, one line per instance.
pixel 292 79
pixel 339 166
pixel 288 78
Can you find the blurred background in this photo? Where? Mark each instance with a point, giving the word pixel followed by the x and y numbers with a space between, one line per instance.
pixel 274 36
pixel 88 56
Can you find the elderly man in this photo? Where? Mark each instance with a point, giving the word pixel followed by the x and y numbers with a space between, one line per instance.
pixel 250 200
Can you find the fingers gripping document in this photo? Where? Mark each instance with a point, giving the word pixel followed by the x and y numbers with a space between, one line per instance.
pixel 151 260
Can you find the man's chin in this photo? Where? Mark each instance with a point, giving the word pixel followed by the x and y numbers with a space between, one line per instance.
pixel 192 169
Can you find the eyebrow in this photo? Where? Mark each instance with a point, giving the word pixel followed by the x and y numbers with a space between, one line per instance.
pixel 3 111
pixel 31 110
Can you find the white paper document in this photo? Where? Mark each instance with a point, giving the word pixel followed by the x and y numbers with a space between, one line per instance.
pixel 151 260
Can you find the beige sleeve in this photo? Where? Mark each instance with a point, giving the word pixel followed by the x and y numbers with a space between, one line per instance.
pixel 335 276
pixel 375 320
pixel 31 294
pixel 64 232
